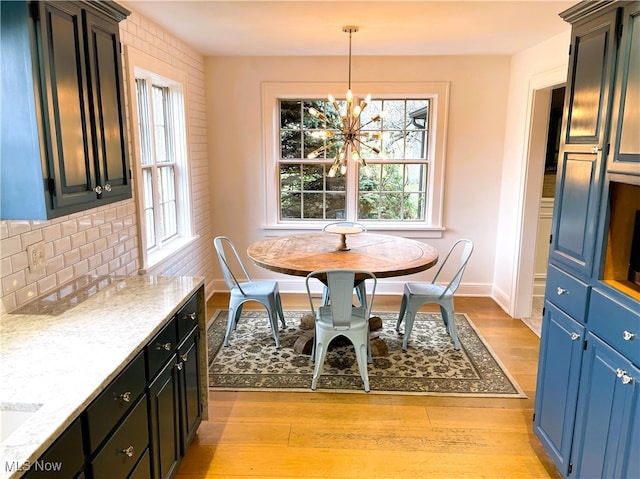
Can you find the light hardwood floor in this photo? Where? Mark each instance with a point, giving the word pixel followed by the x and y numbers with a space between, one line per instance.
pixel 340 436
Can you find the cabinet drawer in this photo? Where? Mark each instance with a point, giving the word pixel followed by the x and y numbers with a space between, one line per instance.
pixel 161 348
pixel 143 469
pixel 567 292
pixel 108 408
pixel 120 454
pixel 616 324
pixel 187 318
pixel 66 451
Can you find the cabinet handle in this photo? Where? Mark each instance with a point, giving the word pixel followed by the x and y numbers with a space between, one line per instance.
pixel 596 149
pixel 561 291
pixel 165 346
pixel 179 366
pixel 107 187
pixel 184 357
pixel 575 336
pixel 192 316
pixel 128 451
pixel 126 396
pixel 628 336
pixel 98 189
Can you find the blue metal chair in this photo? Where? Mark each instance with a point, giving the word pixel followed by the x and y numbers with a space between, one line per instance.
pixel 264 292
pixel 417 294
pixel 341 318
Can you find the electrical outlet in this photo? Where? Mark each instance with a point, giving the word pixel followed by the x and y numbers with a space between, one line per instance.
pixel 37 259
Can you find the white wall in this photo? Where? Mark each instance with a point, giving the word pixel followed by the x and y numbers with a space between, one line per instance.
pixel 475 145
pixel 530 69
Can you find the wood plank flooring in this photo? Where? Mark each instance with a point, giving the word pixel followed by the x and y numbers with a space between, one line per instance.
pixel 338 436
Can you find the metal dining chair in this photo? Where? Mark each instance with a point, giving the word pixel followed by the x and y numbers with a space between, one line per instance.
pixel 417 294
pixel 264 292
pixel 341 318
pixel 361 294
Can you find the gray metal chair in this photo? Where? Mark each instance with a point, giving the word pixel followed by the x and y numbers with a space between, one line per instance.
pixel 417 294
pixel 341 318
pixel 264 292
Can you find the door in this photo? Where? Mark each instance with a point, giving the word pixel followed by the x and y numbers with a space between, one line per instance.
pixel 557 386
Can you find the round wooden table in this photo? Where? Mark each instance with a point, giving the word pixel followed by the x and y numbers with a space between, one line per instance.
pixel 383 255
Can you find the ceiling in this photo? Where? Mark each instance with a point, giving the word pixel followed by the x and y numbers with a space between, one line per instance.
pixel 314 27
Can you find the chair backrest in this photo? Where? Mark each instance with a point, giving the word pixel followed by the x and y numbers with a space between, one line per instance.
pixel 461 249
pixel 340 284
pixel 222 244
pixel 346 223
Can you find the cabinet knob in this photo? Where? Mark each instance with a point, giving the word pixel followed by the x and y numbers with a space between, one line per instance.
pixel 107 187
pixel 126 396
pixel 192 316
pixel 561 291
pixel 628 336
pixel 98 189
pixel 179 366
pixel 184 357
pixel 165 346
pixel 626 379
pixel 128 451
pixel 575 336
pixel 596 149
pixel 620 372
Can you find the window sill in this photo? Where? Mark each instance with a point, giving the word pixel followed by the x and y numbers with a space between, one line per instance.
pixel 161 257
pixel 406 231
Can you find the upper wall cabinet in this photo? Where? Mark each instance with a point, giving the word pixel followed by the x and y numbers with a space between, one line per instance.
pixel 64 146
pixel 586 114
pixel 624 146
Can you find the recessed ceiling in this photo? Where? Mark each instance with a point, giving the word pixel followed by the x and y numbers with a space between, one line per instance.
pixel 312 27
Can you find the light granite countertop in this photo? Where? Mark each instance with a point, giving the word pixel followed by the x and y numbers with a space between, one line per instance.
pixel 58 353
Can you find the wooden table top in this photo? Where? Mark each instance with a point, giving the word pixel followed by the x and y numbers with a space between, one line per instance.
pixel 383 255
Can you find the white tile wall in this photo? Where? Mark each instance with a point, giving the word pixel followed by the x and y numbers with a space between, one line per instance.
pixel 105 240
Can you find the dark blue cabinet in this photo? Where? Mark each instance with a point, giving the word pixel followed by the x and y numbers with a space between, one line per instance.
pixel 557 386
pixel 63 143
pixel 580 165
pixel 604 425
pixel 587 398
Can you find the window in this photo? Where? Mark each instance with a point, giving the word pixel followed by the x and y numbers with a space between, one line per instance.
pixel 161 160
pixel 403 191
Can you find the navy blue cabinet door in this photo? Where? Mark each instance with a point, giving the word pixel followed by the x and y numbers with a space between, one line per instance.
pixel 557 387
pixel 65 93
pixel 604 425
pixel 580 164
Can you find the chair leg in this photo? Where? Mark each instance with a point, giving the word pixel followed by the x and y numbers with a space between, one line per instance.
pixel 325 296
pixel 231 322
pixel 403 307
pixel 321 351
pixel 361 357
pixel 273 321
pixel 450 323
pixel 408 327
pixel 280 310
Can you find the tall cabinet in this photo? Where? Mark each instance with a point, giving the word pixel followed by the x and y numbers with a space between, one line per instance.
pixel 587 409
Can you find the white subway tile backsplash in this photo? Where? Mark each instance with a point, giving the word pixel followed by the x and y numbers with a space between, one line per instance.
pixel 18 227
pixel 13 282
pixel 62 245
pixel 26 294
pixel 54 264
pixel 19 261
pixel 47 283
pixel 51 232
pixel 71 257
pixel 10 246
pixel 92 234
pixel 64 275
pixel 79 239
pixel 69 227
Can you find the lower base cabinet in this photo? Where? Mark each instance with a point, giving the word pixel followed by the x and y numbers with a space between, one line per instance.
pixel 141 424
pixel 164 421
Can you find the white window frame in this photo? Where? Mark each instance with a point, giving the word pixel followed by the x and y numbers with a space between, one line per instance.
pixel 141 65
pixel 436 92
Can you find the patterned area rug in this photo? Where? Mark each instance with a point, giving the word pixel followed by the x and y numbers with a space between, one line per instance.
pixel 430 366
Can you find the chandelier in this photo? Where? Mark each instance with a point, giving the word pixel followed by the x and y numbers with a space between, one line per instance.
pixel 347 132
